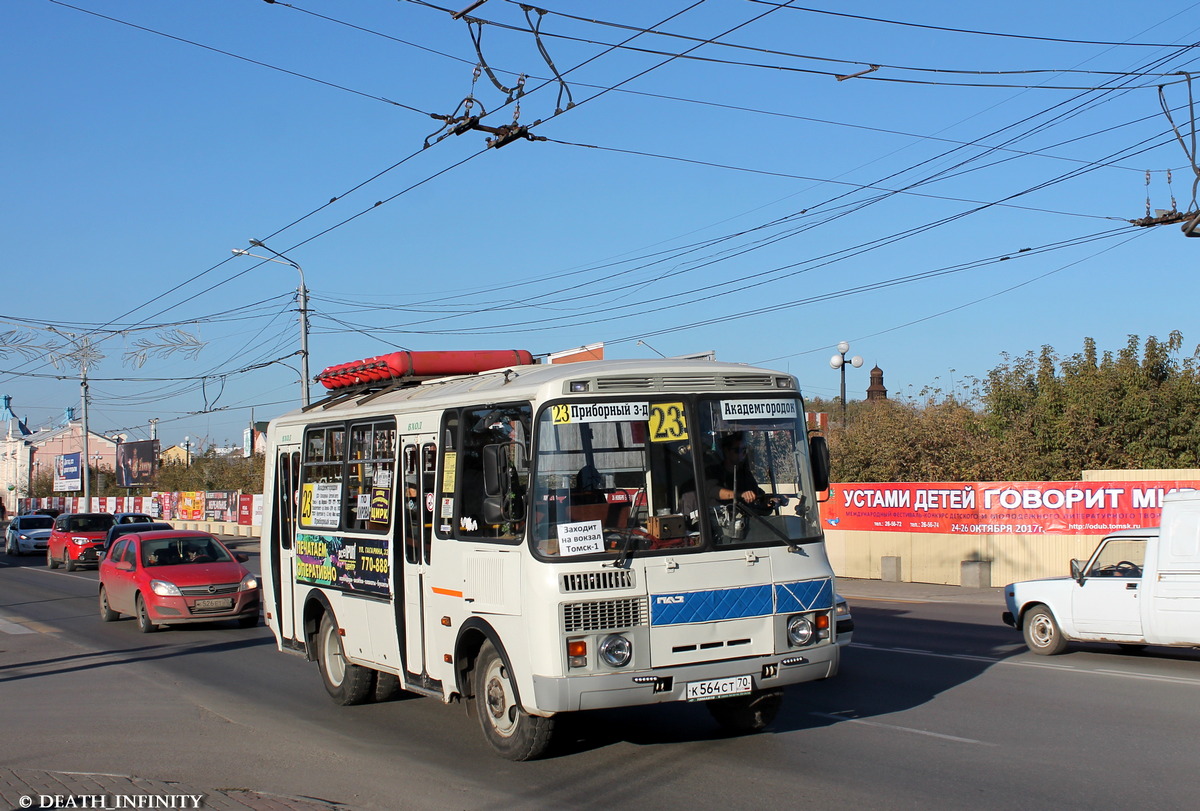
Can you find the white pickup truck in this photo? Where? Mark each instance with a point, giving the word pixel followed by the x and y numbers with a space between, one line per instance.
pixel 1140 587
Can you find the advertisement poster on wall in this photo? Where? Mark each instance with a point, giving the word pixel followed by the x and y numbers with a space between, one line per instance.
pixel 220 505
pixel 992 508
pixel 190 506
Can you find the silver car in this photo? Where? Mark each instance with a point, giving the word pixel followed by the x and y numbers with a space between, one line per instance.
pixel 28 534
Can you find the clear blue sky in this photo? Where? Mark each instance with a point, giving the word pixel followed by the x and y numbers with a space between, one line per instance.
pixel 737 199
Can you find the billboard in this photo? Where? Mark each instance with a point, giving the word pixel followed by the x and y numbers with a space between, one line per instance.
pixel 136 463
pixel 991 508
pixel 68 472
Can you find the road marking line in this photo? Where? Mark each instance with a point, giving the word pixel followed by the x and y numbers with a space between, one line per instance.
pixel 940 735
pixel 1041 665
pixel 61 574
pixel 1150 677
pixel 7 627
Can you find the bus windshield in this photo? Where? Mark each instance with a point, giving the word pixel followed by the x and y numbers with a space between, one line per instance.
pixel 687 475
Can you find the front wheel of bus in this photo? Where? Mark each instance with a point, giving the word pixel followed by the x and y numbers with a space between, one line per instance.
pixel 346 683
pixel 512 732
pixel 750 713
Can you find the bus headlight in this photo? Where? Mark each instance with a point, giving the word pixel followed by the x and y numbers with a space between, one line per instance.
pixel 800 631
pixel 616 651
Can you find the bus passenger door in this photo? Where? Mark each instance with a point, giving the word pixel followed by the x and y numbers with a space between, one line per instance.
pixel 418 457
pixel 284 501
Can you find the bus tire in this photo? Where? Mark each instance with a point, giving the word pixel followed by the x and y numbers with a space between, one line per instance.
pixel 387 686
pixel 749 713
pixel 346 684
pixel 512 732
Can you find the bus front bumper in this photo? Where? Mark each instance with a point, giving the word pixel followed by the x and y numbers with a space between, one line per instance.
pixel 634 688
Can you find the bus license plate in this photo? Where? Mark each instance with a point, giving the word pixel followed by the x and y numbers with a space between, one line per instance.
pixel 222 603
pixel 718 688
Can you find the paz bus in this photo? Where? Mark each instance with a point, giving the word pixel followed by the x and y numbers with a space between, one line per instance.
pixel 540 539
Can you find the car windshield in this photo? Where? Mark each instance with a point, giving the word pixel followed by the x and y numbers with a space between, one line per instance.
pixel 178 551
pixel 36 522
pixel 89 523
pixel 614 477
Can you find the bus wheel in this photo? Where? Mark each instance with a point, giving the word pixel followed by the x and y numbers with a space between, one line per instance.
pixel 751 713
pixel 346 683
pixel 512 732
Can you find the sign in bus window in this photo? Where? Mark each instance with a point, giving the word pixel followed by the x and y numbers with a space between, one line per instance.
pixel 320 504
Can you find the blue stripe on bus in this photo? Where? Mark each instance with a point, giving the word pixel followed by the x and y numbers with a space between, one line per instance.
pixel 738 603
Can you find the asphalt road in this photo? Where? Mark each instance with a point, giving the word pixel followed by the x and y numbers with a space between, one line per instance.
pixel 937 704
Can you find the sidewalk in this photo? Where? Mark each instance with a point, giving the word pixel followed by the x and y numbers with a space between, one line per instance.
pixel 34 789
pixel 853 589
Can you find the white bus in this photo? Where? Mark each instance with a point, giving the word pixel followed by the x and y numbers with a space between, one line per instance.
pixel 541 539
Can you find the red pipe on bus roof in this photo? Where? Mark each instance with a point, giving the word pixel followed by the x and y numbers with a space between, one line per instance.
pixel 421 364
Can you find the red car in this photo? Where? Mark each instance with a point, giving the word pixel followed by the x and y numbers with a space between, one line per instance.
pixel 77 539
pixel 170 577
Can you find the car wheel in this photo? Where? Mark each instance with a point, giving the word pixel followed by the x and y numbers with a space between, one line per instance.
pixel 1042 634
pixel 749 713
pixel 512 732
pixel 346 684
pixel 106 613
pixel 143 617
pixel 68 564
pixel 50 561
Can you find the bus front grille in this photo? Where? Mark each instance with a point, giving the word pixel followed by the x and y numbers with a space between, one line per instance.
pixel 604 615
pixel 597 581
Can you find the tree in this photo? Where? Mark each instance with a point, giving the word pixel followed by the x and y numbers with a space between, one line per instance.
pixel 1036 417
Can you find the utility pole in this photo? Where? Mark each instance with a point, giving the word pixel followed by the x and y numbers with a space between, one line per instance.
pixel 87 471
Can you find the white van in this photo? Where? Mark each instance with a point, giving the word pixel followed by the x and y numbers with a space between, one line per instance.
pixel 1140 587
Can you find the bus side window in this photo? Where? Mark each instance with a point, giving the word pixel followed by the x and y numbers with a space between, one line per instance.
pixel 428 487
pixel 410 506
pixel 494 436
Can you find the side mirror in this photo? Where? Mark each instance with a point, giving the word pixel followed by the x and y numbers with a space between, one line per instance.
pixel 501 500
pixel 818 451
pixel 495 465
pixel 1077 571
pixel 241 557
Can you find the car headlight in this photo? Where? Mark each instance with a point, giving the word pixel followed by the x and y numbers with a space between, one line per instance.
pixel 842 609
pixel 249 582
pixel 81 541
pixel 800 631
pixel 616 651
pixel 164 589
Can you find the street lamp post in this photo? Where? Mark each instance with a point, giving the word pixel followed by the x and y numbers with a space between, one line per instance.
pixel 839 361
pixel 303 300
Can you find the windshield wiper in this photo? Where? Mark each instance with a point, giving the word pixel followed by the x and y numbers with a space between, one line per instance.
pixel 745 508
